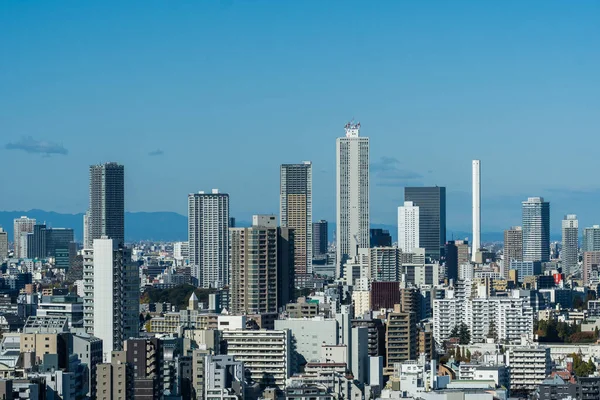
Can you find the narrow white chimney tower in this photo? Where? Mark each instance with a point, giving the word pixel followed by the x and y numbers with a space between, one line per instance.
pixel 476 245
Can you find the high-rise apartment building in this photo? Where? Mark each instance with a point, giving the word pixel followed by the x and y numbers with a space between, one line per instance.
pixel 591 266
pixel 320 238
pixel 385 264
pixel 253 257
pixel 295 211
pixel 570 243
pixel 536 230
pixel 22 226
pixel 208 238
pixel 352 195
pixel 116 291
pixel 408 227
pixel 513 247
pixel 106 215
pixel 432 217
pixel 400 337
pixel 3 244
pixel 476 208
pixel 591 238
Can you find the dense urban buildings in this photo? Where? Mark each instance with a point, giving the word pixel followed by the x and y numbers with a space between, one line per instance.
pixel 536 230
pixel 208 238
pixel 295 211
pixel 106 213
pixel 432 217
pixel 352 198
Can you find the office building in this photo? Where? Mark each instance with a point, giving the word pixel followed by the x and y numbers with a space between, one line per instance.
pixel 106 215
pixel 526 268
pixel 476 208
pixel 408 227
pixel 513 247
pixel 3 245
pixel 385 295
pixel 253 257
pixel 285 267
pixel 320 238
pixel 452 264
pixel 208 238
pixel 352 195
pixel 591 238
pixel 432 217
pixel 22 226
pixel 36 247
pixel 569 253
pixel 115 301
pixel 536 230
pixel 380 238
pixel 295 211
pixel 266 354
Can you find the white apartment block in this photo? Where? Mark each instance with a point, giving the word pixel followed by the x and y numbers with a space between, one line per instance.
pixel 208 238
pixel 529 366
pixel 88 290
pixel 265 354
pixel 352 194
pixel 408 227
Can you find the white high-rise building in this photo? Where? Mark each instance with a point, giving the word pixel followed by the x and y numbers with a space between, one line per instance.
pixel 536 229
pixel 181 252
pixel 476 209
pixel 352 199
pixel 116 301
pixel 88 242
pixel 208 238
pixel 22 226
pixel 408 227
pixel 570 243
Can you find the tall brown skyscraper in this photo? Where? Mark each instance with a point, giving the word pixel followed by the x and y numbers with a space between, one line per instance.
pixel 295 211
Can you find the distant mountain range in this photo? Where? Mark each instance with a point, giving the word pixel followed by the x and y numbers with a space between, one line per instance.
pixel 171 226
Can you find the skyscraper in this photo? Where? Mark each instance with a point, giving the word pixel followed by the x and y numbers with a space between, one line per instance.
pixel 432 217
pixel 513 247
pixel 208 238
pixel 591 238
pixel 106 215
pixel 22 226
pixel 476 209
pixel 116 291
pixel 379 237
pixel 253 255
pixel 295 211
pixel 536 230
pixel 352 194
pixel 570 243
pixel 320 238
pixel 3 244
pixel 408 227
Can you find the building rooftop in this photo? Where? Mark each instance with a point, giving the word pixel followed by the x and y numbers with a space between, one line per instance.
pixel 46 324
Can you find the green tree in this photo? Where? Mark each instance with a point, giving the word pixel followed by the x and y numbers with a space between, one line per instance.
pixel 458 354
pixel 464 336
pixel 468 358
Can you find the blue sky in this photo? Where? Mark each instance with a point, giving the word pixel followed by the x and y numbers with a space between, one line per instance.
pixel 192 95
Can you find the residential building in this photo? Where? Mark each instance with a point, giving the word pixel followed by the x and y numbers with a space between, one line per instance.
pixel 265 354
pixel 114 379
pixel 295 211
pixel 225 378
pixel 253 257
pixel 320 238
pixel 385 263
pixel 408 227
pixel 22 226
pixel 570 243
pixel 591 238
pixel 536 230
pixel 432 217
pixel 401 337
pixel 352 198
pixel 107 203
pixel 208 238
pixel 591 266
pixel 529 366
pixel 116 292
pixel 513 247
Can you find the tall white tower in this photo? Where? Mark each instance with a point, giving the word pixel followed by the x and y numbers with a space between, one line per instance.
pixel 408 227
pixel 476 208
pixel 352 199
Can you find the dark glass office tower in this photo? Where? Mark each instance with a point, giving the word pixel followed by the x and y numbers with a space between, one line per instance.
pixel 432 217
pixel 320 238
pixel 107 202
pixel 380 238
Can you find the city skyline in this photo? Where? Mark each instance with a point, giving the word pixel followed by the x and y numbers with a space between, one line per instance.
pixel 76 94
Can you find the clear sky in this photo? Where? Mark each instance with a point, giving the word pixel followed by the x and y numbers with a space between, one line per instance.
pixel 194 95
